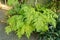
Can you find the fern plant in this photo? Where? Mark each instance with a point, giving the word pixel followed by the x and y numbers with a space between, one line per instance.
pixel 24 19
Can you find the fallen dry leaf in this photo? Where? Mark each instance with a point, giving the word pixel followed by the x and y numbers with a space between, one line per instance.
pixel 5 7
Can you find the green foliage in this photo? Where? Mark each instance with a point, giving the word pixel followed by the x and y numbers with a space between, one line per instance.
pixel 52 34
pixel 12 2
pixel 25 19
